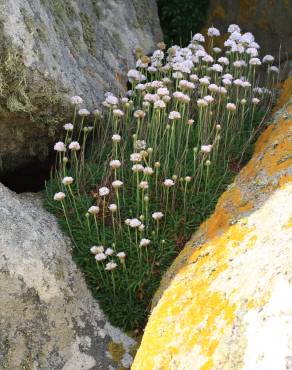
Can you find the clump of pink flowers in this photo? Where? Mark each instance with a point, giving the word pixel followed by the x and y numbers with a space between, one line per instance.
pixel 132 168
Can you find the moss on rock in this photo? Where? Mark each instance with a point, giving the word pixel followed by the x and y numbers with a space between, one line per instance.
pixel 46 56
pixel 88 33
pixel 96 8
pixel 13 82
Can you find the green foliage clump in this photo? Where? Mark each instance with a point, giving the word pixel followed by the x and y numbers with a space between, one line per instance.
pixel 134 181
pixel 28 20
pixel 88 33
pixel 61 10
pixel 13 82
pixel 180 18
pixel 96 8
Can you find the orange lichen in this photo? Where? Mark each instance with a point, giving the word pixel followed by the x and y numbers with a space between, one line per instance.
pixel 264 24
pixel 286 93
pixel 219 223
pixel 231 200
pixel 263 139
pixel 191 315
pixel 245 207
pixel 271 156
pixel 275 149
pixel 285 179
pixel 191 305
pixel 263 20
pixel 218 12
pixel 247 9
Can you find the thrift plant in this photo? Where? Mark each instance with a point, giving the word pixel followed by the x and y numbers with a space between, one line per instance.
pixel 134 180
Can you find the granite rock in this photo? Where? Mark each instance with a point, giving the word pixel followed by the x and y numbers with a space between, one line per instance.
pixel 48 318
pixel 52 49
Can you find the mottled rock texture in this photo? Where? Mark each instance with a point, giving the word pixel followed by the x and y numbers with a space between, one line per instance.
pixel 268 20
pixel 51 49
pixel 226 302
pixel 48 318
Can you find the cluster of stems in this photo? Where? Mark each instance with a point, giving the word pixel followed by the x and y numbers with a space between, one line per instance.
pixel 137 166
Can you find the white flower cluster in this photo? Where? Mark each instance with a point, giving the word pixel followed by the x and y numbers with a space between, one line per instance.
pixel 157 141
pixel 101 254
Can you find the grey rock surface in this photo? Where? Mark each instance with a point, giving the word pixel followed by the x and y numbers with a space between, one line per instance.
pixel 51 49
pixel 48 318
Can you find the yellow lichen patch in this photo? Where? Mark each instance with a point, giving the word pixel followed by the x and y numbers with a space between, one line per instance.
pixel 289 224
pixel 272 156
pixel 199 323
pixel 215 300
pixel 258 302
pixel 229 206
pixel 192 314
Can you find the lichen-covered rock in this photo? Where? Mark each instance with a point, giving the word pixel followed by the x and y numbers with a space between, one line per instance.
pixel 268 20
pixel 48 318
pixel 51 49
pixel 226 302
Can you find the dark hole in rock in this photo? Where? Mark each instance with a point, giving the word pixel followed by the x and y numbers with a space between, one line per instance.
pixel 30 177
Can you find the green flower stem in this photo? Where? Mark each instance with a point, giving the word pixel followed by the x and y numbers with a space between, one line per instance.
pixel 96 227
pixel 81 128
pixel 68 224
pixel 103 219
pixel 114 228
pixel 74 115
pixel 137 192
pixel 185 197
pixel 88 225
pixel 157 228
pixel 100 273
pixel 137 245
pixel 114 284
